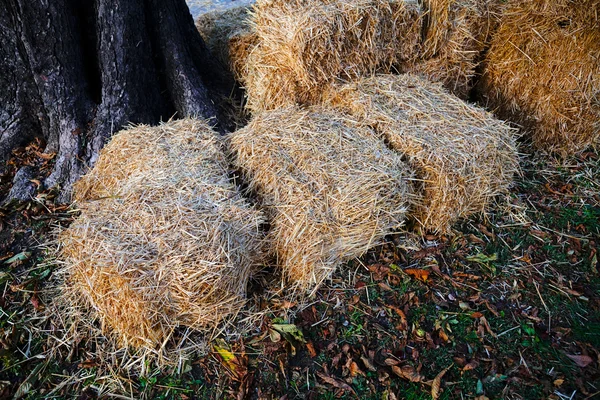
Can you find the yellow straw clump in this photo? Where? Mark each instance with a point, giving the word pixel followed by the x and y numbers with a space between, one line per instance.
pixel 164 239
pixel 331 189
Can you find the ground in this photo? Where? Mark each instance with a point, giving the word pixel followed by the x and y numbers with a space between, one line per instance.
pixel 504 307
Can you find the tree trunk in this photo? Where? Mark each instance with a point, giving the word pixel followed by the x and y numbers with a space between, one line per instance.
pixel 75 72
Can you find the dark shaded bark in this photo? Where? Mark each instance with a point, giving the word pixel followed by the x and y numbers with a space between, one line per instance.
pixel 76 72
pixel 20 114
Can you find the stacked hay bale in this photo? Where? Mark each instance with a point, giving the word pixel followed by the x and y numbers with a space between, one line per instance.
pixel 455 35
pixel 305 45
pixel 229 37
pixel 330 188
pixel 542 71
pixel 462 155
pixel 164 239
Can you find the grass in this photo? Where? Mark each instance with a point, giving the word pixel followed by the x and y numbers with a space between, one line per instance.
pixel 508 302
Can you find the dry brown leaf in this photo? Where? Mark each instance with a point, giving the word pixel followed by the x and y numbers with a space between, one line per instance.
pixel 336 383
pixel 402 316
pixel 407 372
pixel 420 274
pixel 391 362
pixel 558 382
pixel 443 335
pixel 471 365
pixel 311 350
pixel 355 369
pixel 368 363
pixel 581 360
pixel 437 382
pixel 485 323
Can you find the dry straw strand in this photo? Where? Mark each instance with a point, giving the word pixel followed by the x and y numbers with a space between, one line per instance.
pixel 462 155
pixel 542 71
pixel 164 239
pixel 455 35
pixel 305 45
pixel 229 37
pixel 331 189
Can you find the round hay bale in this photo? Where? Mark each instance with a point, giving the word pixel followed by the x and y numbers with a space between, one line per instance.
pixel 455 35
pixel 542 71
pixel 331 189
pixel 229 37
pixel 462 156
pixel 304 45
pixel 164 239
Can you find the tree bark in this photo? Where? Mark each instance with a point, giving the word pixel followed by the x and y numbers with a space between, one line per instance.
pixel 76 72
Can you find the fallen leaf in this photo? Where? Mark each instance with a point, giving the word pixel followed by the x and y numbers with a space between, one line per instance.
pixel 443 335
pixel 582 360
pixel 368 364
pixel 482 258
pixel 29 382
pixel 487 326
pixel 23 256
pixel 437 382
pixel 407 372
pixel 35 301
pixel 291 330
pixel 311 350
pixel 87 364
pixel 471 365
pixel 558 382
pixel 476 314
pixel 334 382
pixel 420 274
pixel 355 369
pixel 402 315
pixel 226 355
pixel 391 362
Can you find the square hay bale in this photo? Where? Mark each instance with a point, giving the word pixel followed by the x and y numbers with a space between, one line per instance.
pixel 304 45
pixel 330 188
pixel 164 239
pixel 542 71
pixel 229 37
pixel 455 35
pixel 461 154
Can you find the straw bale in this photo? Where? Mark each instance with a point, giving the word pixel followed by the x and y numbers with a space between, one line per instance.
pixel 330 188
pixel 461 154
pixel 164 239
pixel 229 37
pixel 542 71
pixel 304 45
pixel 456 33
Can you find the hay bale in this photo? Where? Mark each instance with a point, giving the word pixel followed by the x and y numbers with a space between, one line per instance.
pixel 542 71
pixel 164 239
pixel 304 45
pixel 455 35
pixel 330 188
pixel 462 155
pixel 229 37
